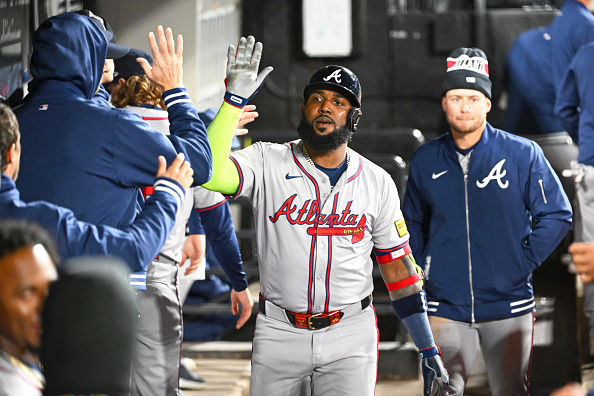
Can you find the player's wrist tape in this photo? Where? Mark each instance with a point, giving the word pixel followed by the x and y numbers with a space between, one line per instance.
pixel 429 352
pixel 411 280
pixel 235 100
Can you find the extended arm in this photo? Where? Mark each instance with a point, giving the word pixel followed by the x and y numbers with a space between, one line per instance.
pixel 218 226
pixel 243 81
pixel 140 242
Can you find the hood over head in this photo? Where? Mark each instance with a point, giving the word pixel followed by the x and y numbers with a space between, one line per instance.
pixel 70 48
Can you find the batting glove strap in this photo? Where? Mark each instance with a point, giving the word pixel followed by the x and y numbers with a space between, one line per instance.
pixel 430 352
pixel 235 100
pixel 435 376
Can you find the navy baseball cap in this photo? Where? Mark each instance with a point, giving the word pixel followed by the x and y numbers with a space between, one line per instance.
pixel 335 78
pixel 114 51
pixel 126 66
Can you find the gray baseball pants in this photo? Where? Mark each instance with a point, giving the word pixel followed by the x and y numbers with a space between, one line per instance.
pixel 506 345
pixel 338 360
pixel 155 365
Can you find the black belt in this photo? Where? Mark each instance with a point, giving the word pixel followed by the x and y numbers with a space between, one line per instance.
pixel 313 321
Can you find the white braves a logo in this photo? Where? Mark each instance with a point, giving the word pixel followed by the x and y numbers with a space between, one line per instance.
pixel 496 174
pixel 335 75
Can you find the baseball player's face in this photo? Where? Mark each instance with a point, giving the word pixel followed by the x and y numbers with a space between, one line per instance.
pixel 25 276
pixel 466 110
pixel 326 111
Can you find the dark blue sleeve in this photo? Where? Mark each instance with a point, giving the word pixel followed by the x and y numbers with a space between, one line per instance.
pixel 220 233
pixel 416 215
pixel 567 103
pixel 549 206
pixel 195 223
pixel 136 244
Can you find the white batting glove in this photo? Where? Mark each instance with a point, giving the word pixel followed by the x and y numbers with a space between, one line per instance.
pixel 243 80
pixel 435 376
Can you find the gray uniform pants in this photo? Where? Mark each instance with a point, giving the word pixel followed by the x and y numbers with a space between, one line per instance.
pixel 506 345
pixel 155 365
pixel 338 360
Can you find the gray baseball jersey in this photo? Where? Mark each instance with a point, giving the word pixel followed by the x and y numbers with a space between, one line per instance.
pixel 315 241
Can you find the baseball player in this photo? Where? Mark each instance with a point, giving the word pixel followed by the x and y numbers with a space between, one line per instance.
pixel 484 208
pixel 320 210
pixel 156 364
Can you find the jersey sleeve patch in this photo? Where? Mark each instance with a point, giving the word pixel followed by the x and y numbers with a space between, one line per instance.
pixel 401 227
pixel 384 257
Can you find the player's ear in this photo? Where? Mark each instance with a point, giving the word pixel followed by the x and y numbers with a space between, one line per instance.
pixel 489 104
pixel 443 103
pixel 302 107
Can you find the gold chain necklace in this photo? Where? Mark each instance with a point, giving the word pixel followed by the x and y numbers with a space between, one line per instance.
pixel 310 161
pixel 33 375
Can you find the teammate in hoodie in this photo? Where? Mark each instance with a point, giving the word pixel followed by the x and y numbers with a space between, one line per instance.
pixel 484 208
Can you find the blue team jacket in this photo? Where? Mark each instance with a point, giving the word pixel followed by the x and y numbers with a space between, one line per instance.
pixel 136 244
pixel 87 156
pixel 472 234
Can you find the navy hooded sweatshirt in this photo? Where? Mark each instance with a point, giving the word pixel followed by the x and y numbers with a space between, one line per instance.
pixel 89 157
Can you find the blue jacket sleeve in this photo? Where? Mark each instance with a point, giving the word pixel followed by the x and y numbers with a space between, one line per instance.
pixel 416 214
pixel 567 104
pixel 195 223
pixel 136 244
pixel 549 206
pixel 219 230
pixel 136 145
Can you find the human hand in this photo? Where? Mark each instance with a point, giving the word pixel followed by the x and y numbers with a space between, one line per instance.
pixel 244 298
pixel 570 389
pixel 195 249
pixel 166 72
pixel 435 376
pixel 583 258
pixel 248 115
pixel 179 170
pixel 243 80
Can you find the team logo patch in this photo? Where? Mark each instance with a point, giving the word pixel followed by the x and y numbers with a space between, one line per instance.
pixel 401 227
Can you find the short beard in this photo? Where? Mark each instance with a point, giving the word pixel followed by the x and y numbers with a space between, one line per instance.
pixel 323 143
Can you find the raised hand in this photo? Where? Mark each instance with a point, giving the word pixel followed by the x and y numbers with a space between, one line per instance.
pixel 166 72
pixel 243 80
pixel 179 170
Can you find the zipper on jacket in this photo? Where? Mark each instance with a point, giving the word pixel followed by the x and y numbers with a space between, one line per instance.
pixel 542 190
pixel 468 244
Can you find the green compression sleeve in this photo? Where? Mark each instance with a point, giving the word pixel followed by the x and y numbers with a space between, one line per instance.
pixel 225 178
